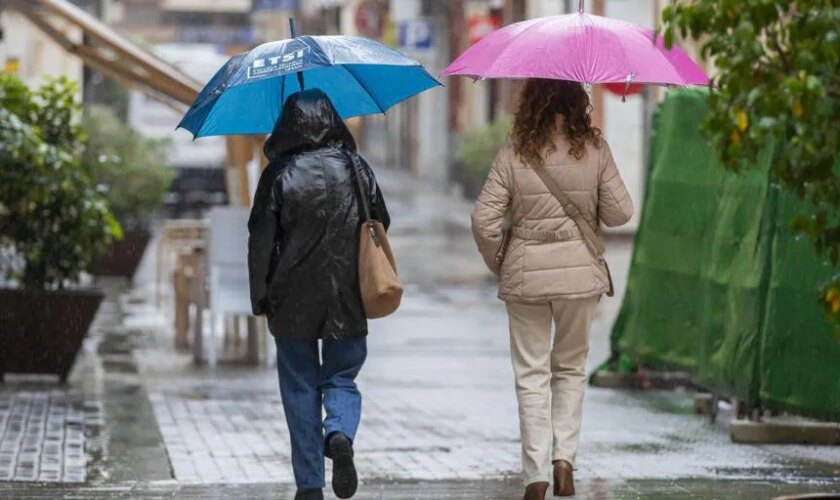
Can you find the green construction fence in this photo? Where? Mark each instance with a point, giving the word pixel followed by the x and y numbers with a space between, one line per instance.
pixel 719 286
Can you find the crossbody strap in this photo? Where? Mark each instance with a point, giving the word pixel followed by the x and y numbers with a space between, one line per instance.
pixel 590 236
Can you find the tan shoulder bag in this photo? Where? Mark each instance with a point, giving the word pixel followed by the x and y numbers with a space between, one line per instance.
pixel 380 286
pixel 593 241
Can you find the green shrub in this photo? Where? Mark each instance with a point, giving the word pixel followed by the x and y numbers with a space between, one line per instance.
pixel 51 215
pixel 132 169
pixel 51 110
pixel 478 148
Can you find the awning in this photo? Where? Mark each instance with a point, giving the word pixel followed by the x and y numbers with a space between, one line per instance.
pixel 109 53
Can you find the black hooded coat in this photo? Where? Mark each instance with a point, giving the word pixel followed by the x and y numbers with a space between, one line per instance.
pixel 303 240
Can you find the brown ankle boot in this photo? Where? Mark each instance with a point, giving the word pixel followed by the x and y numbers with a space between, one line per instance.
pixel 535 491
pixel 564 482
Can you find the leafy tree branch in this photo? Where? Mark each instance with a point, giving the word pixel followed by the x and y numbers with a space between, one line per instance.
pixel 777 84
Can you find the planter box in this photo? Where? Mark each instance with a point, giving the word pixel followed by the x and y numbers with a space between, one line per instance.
pixel 41 331
pixel 124 256
pixel 469 183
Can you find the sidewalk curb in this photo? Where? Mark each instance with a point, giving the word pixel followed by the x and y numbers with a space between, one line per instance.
pixel 808 433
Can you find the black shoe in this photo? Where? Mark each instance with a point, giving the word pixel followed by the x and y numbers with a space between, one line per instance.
pixel 344 479
pixel 309 495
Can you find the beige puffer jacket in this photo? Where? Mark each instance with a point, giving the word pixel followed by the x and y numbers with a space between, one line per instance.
pixel 547 258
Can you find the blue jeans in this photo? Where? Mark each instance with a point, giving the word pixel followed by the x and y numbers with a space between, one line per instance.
pixel 307 383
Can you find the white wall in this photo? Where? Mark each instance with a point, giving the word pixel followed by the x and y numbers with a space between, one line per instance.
pixel 624 122
pixel 433 143
pixel 39 57
pixel 542 8
pixel 433 110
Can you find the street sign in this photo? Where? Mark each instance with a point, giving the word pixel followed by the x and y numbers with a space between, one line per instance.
pixel 12 65
pixel 370 19
pixel 416 34
pixel 480 26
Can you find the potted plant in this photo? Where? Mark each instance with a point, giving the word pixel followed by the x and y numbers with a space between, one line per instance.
pixel 52 224
pixel 132 172
pixel 476 152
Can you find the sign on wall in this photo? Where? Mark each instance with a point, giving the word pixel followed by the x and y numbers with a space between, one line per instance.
pixel 370 19
pixel 416 34
pixel 12 65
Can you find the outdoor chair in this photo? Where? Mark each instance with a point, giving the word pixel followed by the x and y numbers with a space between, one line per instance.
pixel 177 237
pixel 228 286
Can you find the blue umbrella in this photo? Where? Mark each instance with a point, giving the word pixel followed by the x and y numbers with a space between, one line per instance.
pixel 359 75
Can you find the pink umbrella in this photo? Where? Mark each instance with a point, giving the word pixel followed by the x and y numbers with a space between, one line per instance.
pixel 578 47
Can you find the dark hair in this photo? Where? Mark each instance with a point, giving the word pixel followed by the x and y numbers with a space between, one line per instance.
pixel 535 122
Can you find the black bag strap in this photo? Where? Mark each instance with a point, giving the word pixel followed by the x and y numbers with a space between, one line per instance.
pixel 364 195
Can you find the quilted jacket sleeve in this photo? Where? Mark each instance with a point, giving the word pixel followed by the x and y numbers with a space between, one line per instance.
pixel 489 211
pixel 615 207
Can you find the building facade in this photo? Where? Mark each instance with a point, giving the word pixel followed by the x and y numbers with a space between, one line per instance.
pixel 30 54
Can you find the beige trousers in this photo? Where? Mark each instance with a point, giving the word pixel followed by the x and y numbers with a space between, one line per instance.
pixel 550 379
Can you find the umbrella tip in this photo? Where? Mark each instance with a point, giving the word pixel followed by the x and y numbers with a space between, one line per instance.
pixel 580 6
pixel 293 27
pixel 627 83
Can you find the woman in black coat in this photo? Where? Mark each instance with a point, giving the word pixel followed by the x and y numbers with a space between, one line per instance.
pixel 303 266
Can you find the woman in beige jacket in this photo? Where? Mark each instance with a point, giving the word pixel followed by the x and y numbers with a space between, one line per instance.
pixel 547 272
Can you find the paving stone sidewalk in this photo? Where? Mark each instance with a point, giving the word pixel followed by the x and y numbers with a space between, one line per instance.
pixel 439 405
pixel 42 434
pixel 685 489
pixel 439 413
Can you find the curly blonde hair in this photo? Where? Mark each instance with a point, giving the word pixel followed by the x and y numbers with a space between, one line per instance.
pixel 535 122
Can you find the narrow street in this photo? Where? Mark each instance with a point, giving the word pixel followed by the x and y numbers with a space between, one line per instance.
pixel 440 417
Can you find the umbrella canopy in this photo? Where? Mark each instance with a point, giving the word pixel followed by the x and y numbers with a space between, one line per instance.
pixel 578 47
pixel 359 75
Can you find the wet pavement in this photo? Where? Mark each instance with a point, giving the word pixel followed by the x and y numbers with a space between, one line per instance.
pixel 445 490
pixel 439 419
pixel 44 435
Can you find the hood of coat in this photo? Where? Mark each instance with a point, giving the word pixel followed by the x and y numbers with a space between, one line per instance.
pixel 309 121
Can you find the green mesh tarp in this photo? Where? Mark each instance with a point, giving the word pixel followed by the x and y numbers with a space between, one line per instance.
pixel 718 286
pixel 799 360
pixel 670 249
